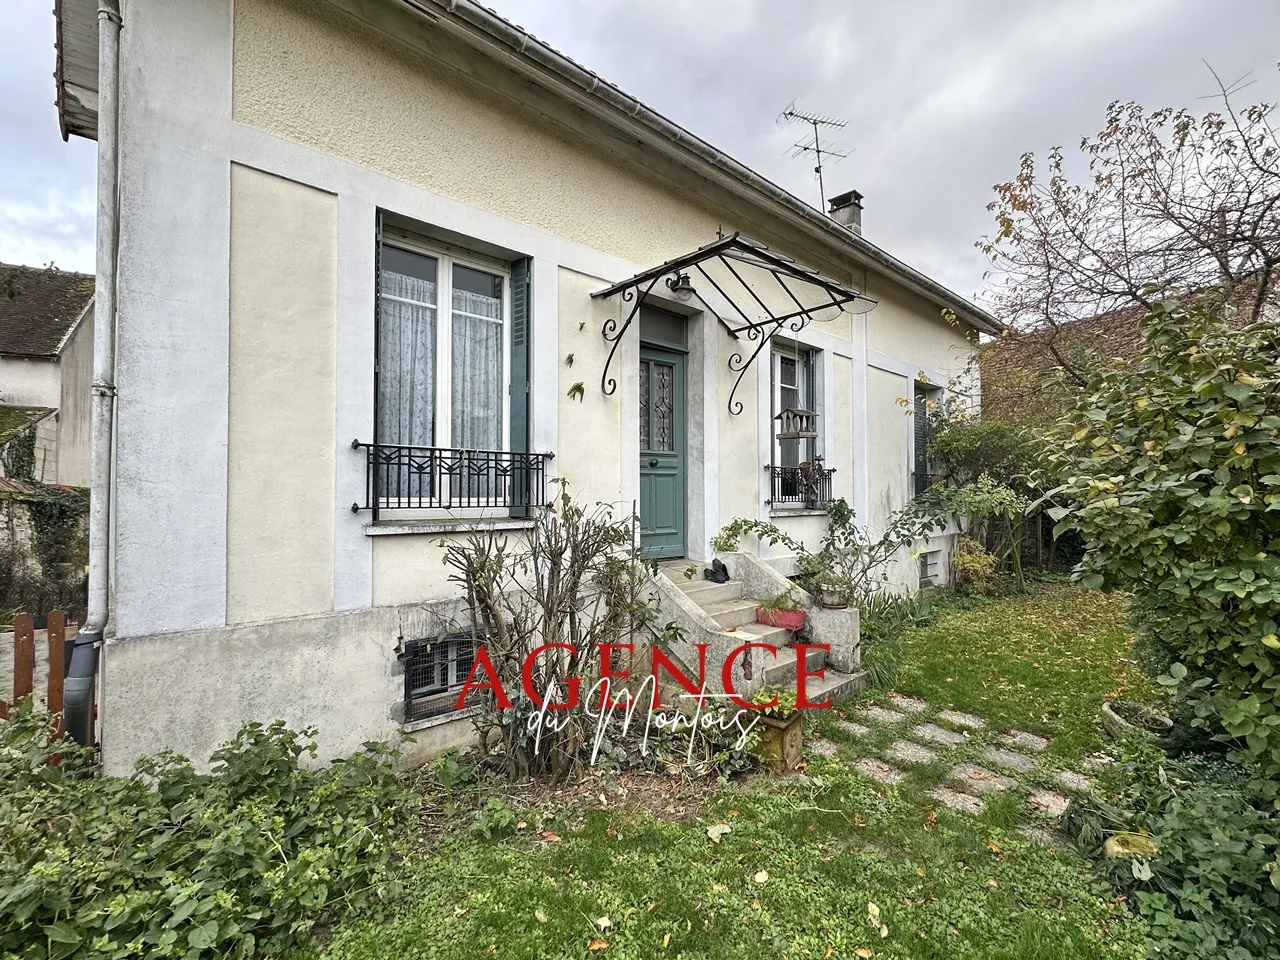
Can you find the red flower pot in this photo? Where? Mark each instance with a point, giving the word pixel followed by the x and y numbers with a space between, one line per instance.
pixel 792 620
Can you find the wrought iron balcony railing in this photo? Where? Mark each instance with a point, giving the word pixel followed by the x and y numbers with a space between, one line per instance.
pixel 809 486
pixel 401 477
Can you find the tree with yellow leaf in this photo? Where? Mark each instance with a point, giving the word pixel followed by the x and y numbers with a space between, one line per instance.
pixel 1170 470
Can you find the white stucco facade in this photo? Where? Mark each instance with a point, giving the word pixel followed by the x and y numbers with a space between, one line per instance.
pixel 29 382
pixel 260 140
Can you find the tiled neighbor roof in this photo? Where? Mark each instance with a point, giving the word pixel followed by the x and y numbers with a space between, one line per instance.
pixel 46 303
pixel 14 419
pixel 1021 377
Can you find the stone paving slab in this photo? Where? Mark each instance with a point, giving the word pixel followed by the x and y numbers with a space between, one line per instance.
pixel 907 704
pixel 857 729
pixel 879 770
pixel 980 780
pixel 905 751
pixel 1040 835
pixel 876 714
pixel 1020 740
pixel 823 748
pixel 958 719
pixel 939 736
pixel 1073 781
pixel 1049 802
pixel 961 802
pixel 1009 759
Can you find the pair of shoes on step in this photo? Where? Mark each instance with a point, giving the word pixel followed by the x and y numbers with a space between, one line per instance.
pixel 716 573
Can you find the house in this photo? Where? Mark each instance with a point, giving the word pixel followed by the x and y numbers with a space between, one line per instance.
pixel 385 269
pixel 46 354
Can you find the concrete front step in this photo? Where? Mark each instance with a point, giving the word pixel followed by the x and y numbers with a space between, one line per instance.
pixel 704 592
pixel 782 671
pixel 836 686
pixel 761 633
pixel 732 613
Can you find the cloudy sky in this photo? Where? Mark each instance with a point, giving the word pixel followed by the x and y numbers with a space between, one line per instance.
pixel 941 97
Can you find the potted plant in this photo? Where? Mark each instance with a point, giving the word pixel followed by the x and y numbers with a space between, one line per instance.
pixel 1122 717
pixel 781 742
pixel 782 611
pixel 831 595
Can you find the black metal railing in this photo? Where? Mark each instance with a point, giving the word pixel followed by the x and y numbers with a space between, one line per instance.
pixel 923 481
pixel 400 477
pixel 810 486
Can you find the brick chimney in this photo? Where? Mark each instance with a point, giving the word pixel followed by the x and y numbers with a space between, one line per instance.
pixel 847 209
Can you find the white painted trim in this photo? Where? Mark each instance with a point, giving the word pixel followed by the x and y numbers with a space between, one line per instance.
pixel 352 554
pixel 450 525
pixel 544 361
pixel 903 368
pixel 764 435
pixel 272 154
pixel 861 448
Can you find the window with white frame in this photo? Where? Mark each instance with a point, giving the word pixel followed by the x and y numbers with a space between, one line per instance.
pixel 798 477
pixel 442 348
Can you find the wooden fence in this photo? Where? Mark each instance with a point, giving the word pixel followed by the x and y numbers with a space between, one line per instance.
pixel 24 662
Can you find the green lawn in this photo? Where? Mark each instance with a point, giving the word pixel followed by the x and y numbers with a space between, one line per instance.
pixel 1042 663
pixel 827 866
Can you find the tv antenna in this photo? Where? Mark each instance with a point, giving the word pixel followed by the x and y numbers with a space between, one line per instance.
pixel 818 147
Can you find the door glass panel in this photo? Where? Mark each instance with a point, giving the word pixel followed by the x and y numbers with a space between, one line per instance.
pixel 644 407
pixel 663 407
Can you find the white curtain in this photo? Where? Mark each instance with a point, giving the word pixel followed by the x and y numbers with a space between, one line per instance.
pixel 406 375
pixel 477 383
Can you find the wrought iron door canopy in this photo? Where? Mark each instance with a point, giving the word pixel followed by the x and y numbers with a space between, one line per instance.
pixel 727 251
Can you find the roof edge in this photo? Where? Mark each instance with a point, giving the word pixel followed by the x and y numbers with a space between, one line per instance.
pixel 524 45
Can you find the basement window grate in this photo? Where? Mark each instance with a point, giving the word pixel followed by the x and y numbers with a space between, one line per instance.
pixel 434 671
pixel 928 568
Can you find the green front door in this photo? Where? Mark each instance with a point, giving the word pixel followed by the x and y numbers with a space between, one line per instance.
pixel 662 452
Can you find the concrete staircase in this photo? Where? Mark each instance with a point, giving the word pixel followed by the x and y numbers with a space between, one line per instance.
pixel 729 606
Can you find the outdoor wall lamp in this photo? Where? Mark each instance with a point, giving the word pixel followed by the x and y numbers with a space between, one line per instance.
pixel 681 287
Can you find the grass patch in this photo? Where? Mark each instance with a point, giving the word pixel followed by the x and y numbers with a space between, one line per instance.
pixel 1042 663
pixel 794 878
pixel 586 873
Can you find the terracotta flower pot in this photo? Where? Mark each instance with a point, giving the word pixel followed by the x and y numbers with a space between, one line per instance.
pixel 786 619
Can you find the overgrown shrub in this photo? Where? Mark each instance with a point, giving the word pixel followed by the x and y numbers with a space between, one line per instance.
pixel 1212 889
pixel 963 449
pixel 238 862
pixel 577 583
pixel 1170 469
pixel 973 566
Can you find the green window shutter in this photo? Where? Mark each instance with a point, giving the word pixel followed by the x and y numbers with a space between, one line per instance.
pixel 521 321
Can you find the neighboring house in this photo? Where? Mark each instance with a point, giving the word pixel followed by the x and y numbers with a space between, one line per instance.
pixel 413 223
pixel 46 361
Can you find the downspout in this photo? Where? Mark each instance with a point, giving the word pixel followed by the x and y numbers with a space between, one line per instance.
pixel 78 685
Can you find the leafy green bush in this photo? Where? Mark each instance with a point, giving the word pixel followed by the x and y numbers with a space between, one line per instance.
pixel 173 863
pixel 964 449
pixel 1171 472
pixel 973 566
pixel 1213 888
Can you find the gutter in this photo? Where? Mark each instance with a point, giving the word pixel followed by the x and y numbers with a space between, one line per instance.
pixel 530 47
pixel 86 650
